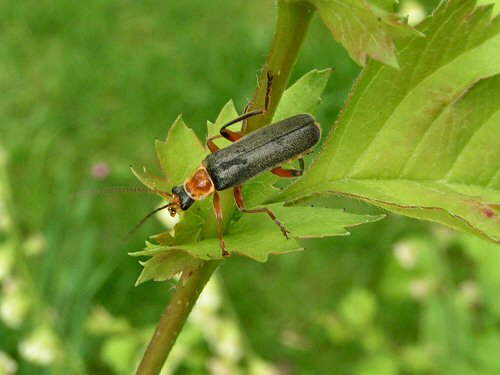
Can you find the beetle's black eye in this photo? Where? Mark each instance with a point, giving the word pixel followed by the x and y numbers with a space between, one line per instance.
pixel 185 199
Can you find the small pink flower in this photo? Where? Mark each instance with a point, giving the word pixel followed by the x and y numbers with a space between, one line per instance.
pixel 100 170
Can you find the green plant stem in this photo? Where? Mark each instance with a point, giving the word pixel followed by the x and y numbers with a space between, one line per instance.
pixel 175 315
pixel 291 26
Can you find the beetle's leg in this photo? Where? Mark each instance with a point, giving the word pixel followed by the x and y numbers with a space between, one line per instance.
pixel 230 135
pixel 218 215
pixel 234 136
pixel 211 145
pixel 243 117
pixel 289 173
pixel 240 202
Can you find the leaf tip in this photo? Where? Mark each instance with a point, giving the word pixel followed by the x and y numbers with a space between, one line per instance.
pixel 392 61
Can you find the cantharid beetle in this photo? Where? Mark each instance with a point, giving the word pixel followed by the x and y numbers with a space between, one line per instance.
pixel 249 156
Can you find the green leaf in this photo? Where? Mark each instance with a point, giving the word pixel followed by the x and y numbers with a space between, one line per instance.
pixel 228 113
pixel 387 5
pixel 424 141
pixel 165 266
pixel 260 190
pixel 180 154
pixel 256 236
pixel 365 28
pixel 151 181
pixel 304 95
pixel 496 9
pixel 190 226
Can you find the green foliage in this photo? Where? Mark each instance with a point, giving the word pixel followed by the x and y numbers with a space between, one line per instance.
pixel 82 83
pixel 24 319
pixel 304 95
pixel 166 265
pixel 496 4
pixel 424 141
pixel 179 167
pixel 248 235
pixel 256 238
pixel 441 323
pixel 365 28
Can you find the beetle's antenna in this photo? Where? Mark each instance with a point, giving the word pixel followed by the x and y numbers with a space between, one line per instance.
pixel 91 192
pixel 131 231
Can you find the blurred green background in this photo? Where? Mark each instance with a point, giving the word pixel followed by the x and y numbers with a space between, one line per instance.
pixel 85 88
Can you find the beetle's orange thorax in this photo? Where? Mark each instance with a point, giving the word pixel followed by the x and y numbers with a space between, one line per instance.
pixel 199 186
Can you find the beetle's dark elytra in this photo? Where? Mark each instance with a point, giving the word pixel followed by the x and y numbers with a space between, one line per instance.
pixel 262 150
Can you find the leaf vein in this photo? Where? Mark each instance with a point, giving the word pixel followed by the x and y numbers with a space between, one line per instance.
pixel 466 144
